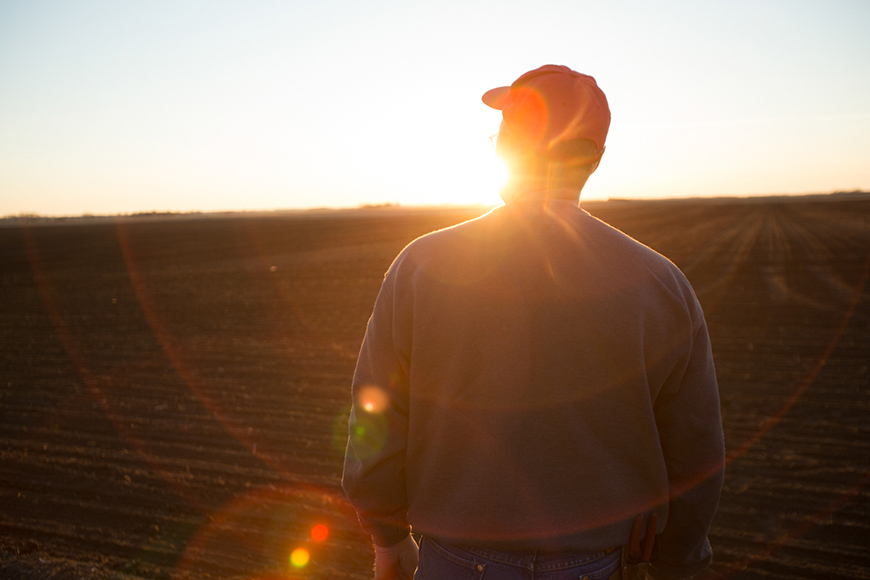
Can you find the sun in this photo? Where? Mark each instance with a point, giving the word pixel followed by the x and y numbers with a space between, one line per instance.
pixel 475 177
pixel 486 173
pixel 450 163
pixel 498 172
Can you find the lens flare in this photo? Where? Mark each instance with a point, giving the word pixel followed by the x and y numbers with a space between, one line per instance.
pixel 368 433
pixel 299 558
pixel 319 533
pixel 528 115
pixel 372 399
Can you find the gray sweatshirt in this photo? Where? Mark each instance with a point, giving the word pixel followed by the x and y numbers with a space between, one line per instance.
pixel 534 379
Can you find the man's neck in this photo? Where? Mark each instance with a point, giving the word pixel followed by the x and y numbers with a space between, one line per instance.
pixel 514 192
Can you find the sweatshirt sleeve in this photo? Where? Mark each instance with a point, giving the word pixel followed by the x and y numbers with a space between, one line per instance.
pixel 374 465
pixel 690 428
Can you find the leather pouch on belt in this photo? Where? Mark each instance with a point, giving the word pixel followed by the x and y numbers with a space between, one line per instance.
pixel 635 557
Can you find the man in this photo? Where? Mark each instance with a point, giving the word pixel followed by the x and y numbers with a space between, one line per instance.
pixel 532 380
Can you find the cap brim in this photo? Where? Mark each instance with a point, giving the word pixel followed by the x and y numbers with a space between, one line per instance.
pixel 496 98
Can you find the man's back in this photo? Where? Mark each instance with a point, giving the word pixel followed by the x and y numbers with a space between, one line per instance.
pixel 540 360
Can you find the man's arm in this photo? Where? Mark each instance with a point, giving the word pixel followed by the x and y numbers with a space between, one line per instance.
pixel 690 430
pixel 374 466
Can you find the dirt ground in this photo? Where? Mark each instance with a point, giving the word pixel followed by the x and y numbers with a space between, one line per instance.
pixel 174 391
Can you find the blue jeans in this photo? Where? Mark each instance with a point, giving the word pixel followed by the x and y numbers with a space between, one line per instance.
pixel 446 562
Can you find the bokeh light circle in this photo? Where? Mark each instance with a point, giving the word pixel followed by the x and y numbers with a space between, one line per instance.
pixel 299 558
pixel 319 533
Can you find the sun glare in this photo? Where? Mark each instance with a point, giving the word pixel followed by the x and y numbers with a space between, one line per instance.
pixel 476 178
pixel 452 163
pixel 499 173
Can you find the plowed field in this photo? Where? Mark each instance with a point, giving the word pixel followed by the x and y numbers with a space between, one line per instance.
pixel 173 391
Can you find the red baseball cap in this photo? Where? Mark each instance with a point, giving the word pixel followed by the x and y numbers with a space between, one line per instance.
pixel 553 104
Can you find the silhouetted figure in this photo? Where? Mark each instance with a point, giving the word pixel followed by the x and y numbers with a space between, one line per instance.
pixel 532 381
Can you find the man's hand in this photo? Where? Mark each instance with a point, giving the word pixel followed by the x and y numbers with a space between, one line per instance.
pixel 396 562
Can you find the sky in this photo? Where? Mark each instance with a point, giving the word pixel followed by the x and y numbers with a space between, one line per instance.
pixel 119 107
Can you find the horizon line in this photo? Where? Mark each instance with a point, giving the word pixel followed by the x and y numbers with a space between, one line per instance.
pixel 144 214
